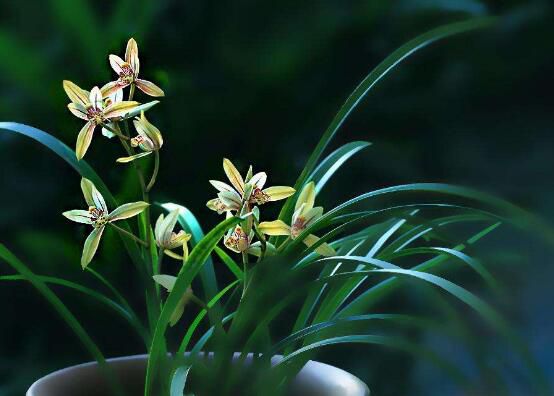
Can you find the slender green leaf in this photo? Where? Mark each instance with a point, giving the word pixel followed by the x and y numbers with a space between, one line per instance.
pixel 327 168
pixel 369 82
pixel 230 263
pixel 190 224
pixel 120 310
pixel 62 310
pixel 187 273
pixel 179 381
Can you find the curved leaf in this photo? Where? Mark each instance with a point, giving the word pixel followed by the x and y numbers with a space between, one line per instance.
pixel 369 81
pixel 326 168
pixel 188 272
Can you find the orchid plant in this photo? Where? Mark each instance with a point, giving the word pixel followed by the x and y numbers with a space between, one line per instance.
pixel 278 265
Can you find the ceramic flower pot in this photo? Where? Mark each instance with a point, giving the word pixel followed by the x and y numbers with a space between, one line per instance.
pixel 315 379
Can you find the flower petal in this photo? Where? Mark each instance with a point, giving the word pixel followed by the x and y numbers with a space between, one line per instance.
pixel 167 281
pixel 324 249
pixel 276 193
pixel 307 196
pixel 157 227
pixel 92 195
pixel 107 133
pixel 117 63
pixel 220 186
pixel 124 160
pixel 258 180
pixel 76 94
pixel 131 55
pixel 118 111
pixel 276 227
pixel 135 111
pixel 173 255
pixel 166 228
pixel 91 245
pixel 128 210
pixel 146 128
pixel 96 98
pixel 83 139
pixel 233 175
pixel 113 87
pixel 79 216
pixel 312 215
pixel 178 239
pixel 231 199
pixel 149 88
pixel 78 110
pixel 217 205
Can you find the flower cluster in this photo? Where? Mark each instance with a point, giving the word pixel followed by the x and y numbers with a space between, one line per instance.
pixel 105 108
pixel 245 195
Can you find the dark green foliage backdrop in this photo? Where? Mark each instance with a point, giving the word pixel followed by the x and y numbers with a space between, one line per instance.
pixel 259 82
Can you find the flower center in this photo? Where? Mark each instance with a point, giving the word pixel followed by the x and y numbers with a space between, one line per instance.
pixel 137 140
pixel 97 216
pixel 238 240
pixel 95 115
pixel 297 227
pixel 259 197
pixel 127 75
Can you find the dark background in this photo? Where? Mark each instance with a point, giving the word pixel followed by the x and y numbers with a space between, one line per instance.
pixel 258 82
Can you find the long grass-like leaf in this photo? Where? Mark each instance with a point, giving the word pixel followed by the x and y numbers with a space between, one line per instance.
pixel 369 82
pixel 62 310
pixel 188 272
pixel 190 224
pixel 327 168
pixel 119 309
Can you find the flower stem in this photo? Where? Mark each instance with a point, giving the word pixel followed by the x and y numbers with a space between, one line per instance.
pixel 261 237
pixel 128 234
pixel 155 172
pixel 245 271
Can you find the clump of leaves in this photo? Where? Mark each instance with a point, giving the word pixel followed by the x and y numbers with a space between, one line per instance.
pixel 330 283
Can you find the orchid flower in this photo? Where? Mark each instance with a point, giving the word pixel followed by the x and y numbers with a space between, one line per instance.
pixel 149 139
pixel 168 281
pixel 98 216
pixel 304 215
pixel 128 71
pixel 239 241
pixel 167 239
pixel 89 106
pixel 249 191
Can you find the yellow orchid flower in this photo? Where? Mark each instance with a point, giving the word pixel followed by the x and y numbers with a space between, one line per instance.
pixel 168 281
pixel 167 239
pixel 249 191
pixel 304 215
pixel 89 106
pixel 98 216
pixel 149 139
pixel 128 71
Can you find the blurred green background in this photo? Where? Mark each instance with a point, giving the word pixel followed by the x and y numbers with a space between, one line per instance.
pixel 258 82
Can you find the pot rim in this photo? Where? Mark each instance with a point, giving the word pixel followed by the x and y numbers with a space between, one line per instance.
pixel 327 380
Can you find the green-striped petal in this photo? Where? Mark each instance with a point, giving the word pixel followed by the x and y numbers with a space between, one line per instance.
pixel 91 245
